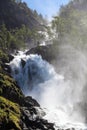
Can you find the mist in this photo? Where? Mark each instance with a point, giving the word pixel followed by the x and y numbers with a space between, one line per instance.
pixel 60 89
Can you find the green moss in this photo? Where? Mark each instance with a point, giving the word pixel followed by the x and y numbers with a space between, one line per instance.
pixel 9 112
pixel 7 84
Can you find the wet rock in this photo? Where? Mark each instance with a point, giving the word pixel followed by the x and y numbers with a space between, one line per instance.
pixel 29 101
pixel 23 63
pixel 35 122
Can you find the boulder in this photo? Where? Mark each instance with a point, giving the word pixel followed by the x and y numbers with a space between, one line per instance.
pixel 47 52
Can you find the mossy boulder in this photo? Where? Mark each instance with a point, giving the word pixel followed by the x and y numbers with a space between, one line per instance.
pixel 9 115
pixel 9 89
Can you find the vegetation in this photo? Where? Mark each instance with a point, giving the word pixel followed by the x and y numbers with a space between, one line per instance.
pixel 19 25
pixel 7 84
pixel 14 13
pixel 71 23
pixel 16 39
pixel 9 114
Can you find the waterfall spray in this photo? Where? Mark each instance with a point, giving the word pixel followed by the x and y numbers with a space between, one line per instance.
pixel 61 96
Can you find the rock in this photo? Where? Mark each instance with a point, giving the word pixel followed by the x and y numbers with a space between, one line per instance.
pixel 34 122
pixel 6 67
pixel 31 117
pixel 23 63
pixel 10 89
pixel 46 52
pixel 11 57
pixel 31 101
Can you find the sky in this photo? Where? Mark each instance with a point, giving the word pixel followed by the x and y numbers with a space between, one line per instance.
pixel 47 8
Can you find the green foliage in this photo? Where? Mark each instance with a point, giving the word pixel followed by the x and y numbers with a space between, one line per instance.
pixel 16 39
pixel 58 25
pixel 10 40
pixel 71 23
pixel 9 112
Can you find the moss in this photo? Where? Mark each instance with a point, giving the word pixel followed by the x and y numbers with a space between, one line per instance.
pixel 9 112
pixel 8 86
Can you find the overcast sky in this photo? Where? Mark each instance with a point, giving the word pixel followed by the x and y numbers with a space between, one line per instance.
pixel 47 8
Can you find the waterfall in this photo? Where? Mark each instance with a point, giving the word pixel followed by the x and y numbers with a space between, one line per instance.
pixel 59 97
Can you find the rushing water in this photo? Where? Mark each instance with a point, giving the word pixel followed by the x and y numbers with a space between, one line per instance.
pixel 58 96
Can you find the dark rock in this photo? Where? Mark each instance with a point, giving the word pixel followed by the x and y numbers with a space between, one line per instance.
pixel 11 57
pixel 35 123
pixel 46 52
pixel 23 63
pixel 8 126
pixel 30 103
pixel 6 67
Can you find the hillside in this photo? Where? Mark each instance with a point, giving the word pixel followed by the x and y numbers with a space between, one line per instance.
pixel 14 14
pixel 19 25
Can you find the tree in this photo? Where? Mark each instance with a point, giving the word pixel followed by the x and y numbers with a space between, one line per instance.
pixel 58 25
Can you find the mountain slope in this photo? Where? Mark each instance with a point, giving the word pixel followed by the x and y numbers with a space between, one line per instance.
pixel 14 15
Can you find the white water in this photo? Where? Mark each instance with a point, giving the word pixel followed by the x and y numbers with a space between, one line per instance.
pixel 57 95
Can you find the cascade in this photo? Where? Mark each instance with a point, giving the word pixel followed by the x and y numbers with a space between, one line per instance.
pixel 59 98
